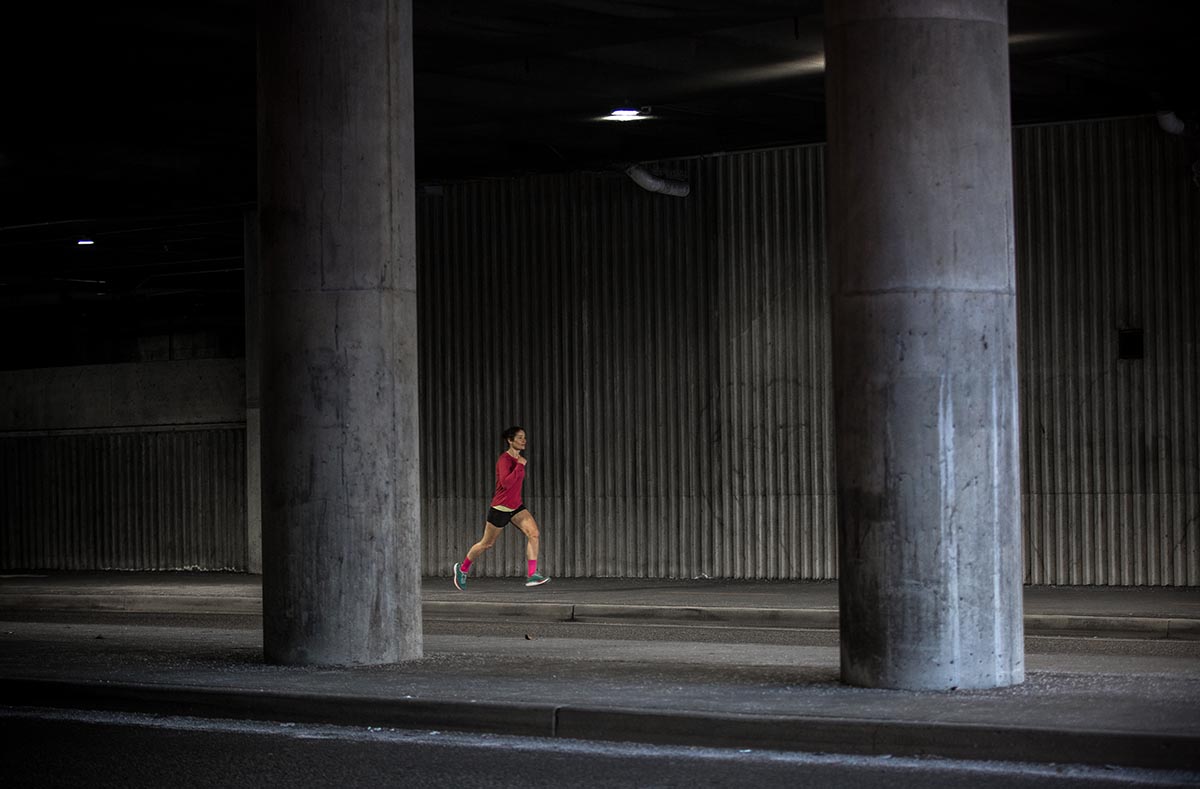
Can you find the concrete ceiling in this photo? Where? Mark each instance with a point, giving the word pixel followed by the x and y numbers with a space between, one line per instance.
pixel 135 121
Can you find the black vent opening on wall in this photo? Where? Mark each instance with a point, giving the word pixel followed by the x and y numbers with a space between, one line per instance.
pixel 1130 344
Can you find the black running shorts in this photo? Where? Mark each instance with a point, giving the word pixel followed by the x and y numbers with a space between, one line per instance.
pixel 500 518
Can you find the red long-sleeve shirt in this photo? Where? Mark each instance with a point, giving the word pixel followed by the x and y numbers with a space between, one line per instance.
pixel 510 475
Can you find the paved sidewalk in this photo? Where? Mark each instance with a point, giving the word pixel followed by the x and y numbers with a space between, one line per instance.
pixel 1150 612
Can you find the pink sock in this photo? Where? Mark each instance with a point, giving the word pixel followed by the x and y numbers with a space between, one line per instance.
pixel 532 566
pixel 465 566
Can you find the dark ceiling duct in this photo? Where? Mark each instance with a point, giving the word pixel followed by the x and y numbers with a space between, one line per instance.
pixel 1170 123
pixel 654 183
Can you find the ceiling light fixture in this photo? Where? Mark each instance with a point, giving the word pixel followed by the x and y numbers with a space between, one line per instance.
pixel 85 242
pixel 628 114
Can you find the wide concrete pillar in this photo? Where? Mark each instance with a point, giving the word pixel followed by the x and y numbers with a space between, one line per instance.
pixel 341 498
pixel 924 343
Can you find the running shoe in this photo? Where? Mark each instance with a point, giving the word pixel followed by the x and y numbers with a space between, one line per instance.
pixel 537 579
pixel 460 578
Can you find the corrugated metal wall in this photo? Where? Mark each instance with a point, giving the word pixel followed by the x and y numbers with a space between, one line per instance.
pixel 1107 226
pixel 670 361
pixel 124 500
pixel 667 357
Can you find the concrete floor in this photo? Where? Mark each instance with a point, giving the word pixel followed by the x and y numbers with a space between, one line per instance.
pixel 702 663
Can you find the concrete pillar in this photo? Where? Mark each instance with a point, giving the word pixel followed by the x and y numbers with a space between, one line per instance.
pixel 341 493
pixel 253 285
pixel 924 354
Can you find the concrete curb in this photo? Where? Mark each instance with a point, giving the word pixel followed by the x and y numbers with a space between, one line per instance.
pixel 1156 627
pixel 862 737
pixel 799 733
pixel 132 603
pixel 472 610
pixel 734 616
pixel 800 618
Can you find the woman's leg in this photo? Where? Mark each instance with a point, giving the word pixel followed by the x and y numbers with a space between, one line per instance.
pixel 525 522
pixel 490 535
pixel 528 525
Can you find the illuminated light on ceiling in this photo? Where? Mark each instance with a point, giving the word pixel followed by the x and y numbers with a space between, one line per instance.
pixel 85 242
pixel 628 114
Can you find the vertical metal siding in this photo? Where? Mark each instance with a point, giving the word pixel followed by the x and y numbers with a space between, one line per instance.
pixel 128 500
pixel 1107 231
pixel 668 358
pixel 773 428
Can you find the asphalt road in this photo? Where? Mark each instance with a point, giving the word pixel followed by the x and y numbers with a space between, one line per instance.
pixel 59 748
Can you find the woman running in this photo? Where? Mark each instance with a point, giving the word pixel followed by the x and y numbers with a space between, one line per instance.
pixel 507 506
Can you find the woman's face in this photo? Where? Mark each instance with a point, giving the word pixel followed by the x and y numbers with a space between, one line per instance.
pixel 517 442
